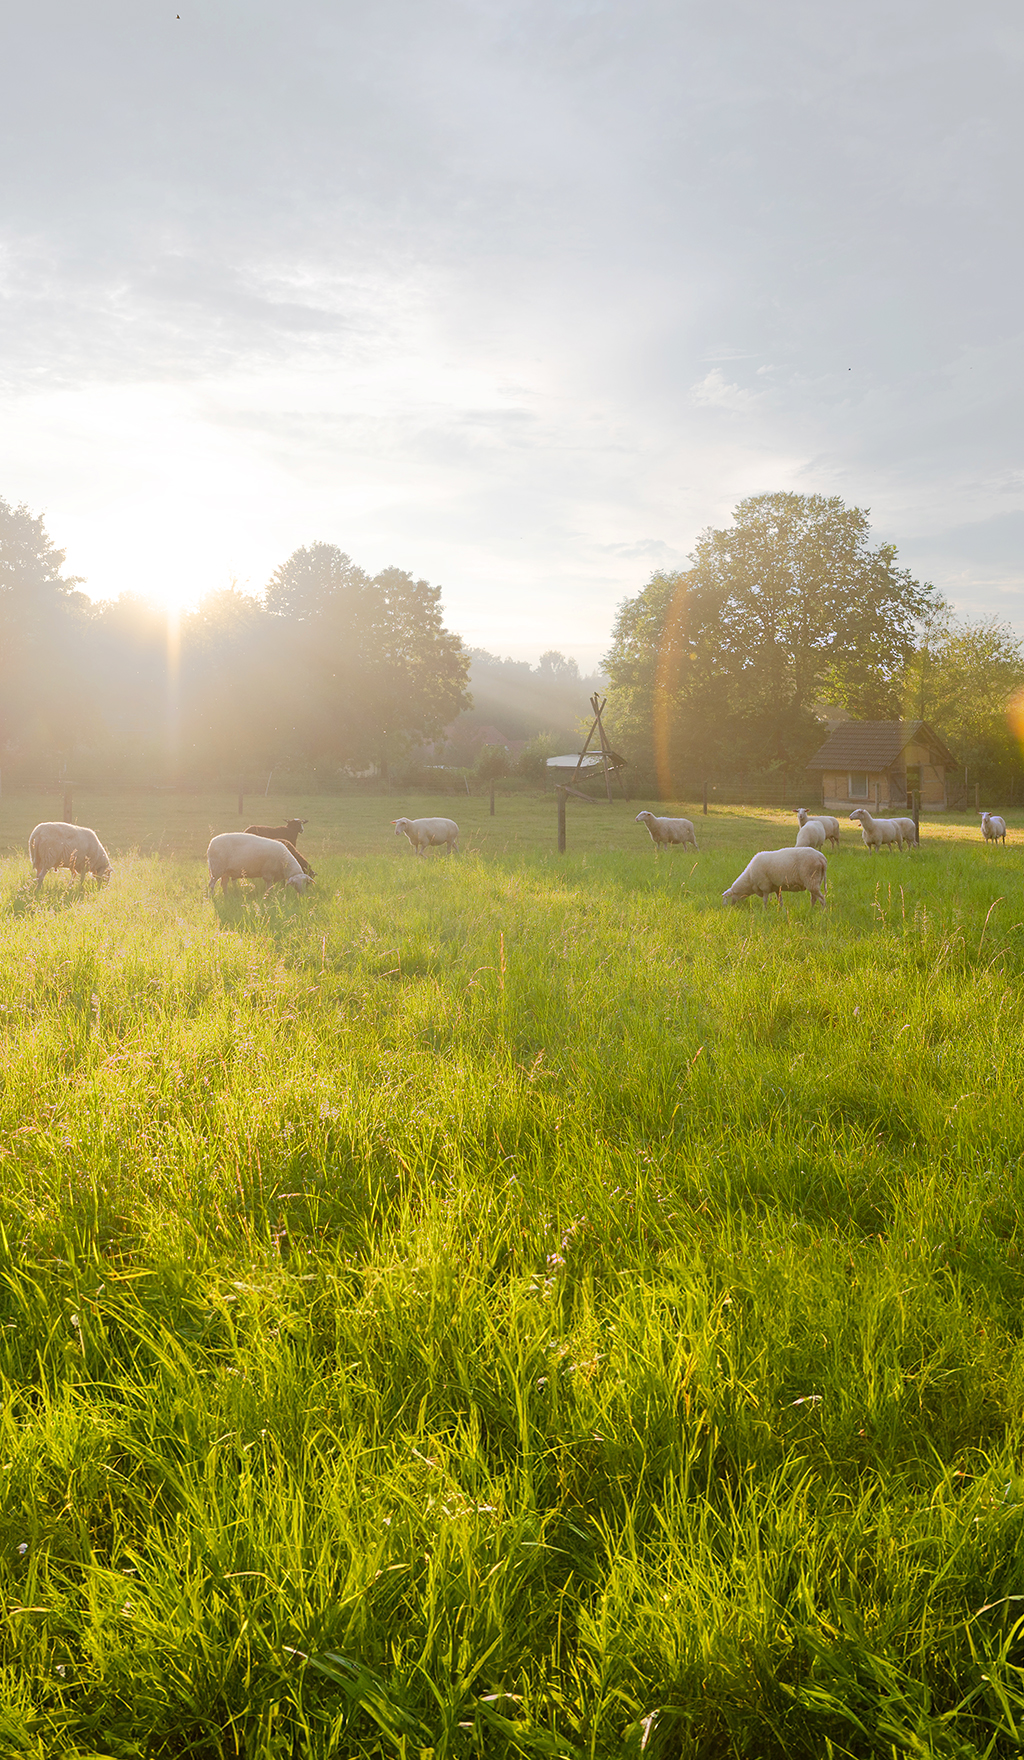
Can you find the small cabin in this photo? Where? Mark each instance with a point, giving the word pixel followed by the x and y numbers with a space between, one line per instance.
pixel 880 765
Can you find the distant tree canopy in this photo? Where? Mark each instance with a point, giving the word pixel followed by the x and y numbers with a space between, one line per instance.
pixel 42 621
pixel 521 700
pixel 331 669
pixel 718 668
pixel 967 679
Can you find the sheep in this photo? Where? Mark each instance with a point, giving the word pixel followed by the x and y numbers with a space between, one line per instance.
pixel 826 819
pixel 423 833
pixel 993 828
pixel 281 833
pixel 812 835
pixel 668 830
pixel 909 831
pixel 56 845
pixel 779 871
pixel 880 833
pixel 278 837
pixel 239 855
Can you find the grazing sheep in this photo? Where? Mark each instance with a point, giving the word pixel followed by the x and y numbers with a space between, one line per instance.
pixel 779 871
pixel 239 855
pixel 668 830
pixel 281 833
pixel 55 845
pixel 993 828
pixel 879 833
pixel 811 835
pixel 424 833
pixel 826 819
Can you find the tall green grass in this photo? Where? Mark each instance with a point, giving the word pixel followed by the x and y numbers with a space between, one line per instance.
pixel 511 1305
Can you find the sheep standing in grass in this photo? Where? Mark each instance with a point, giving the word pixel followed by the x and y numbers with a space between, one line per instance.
pixel 909 831
pixel 993 828
pixel 879 833
pixel 424 834
pixel 236 855
pixel 668 830
pixel 779 871
pixel 831 824
pixel 55 845
pixel 811 835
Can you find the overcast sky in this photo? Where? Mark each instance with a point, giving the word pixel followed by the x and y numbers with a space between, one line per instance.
pixel 519 296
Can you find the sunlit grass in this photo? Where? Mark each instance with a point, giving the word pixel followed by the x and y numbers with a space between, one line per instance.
pixel 510 1305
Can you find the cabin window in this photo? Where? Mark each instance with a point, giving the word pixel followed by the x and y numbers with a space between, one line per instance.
pixel 858 785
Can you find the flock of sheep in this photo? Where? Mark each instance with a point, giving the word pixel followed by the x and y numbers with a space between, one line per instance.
pixel 269 853
pixel 803 867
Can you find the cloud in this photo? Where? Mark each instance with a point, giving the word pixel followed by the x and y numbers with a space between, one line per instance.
pixel 483 289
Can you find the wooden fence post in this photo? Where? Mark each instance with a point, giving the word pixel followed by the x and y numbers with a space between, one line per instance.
pixel 492 800
pixel 917 815
pixel 705 800
pixel 977 796
pixel 561 821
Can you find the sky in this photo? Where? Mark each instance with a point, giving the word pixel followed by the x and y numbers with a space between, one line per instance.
pixel 518 296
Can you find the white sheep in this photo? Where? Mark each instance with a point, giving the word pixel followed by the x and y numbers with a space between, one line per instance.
pixel 55 845
pixel 668 830
pixel 779 871
pixel 238 855
pixel 423 834
pixel 880 833
pixel 909 831
pixel 993 828
pixel 811 836
pixel 826 819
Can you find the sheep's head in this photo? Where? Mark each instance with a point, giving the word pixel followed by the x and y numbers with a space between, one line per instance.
pixel 400 825
pixel 299 881
pixel 642 818
pixel 858 814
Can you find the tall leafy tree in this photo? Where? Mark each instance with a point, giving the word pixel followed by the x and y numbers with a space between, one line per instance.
pixel 718 668
pixel 369 660
pixel 966 679
pixel 45 702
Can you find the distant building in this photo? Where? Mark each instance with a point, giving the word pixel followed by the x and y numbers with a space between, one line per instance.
pixel 881 763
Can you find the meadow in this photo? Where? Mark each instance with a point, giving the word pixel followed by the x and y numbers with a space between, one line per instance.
pixel 510 1305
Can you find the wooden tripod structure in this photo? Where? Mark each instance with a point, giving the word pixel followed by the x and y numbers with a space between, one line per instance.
pixel 607 755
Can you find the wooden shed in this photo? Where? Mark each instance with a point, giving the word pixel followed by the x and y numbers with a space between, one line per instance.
pixel 877 764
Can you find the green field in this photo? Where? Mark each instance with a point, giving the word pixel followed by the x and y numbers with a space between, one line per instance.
pixel 510 1305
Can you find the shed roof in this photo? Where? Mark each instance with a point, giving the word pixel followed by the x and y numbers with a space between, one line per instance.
pixel 875 745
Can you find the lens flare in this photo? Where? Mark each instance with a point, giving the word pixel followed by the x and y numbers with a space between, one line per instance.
pixel 1015 717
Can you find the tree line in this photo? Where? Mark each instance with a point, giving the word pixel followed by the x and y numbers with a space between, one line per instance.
pixel 717 671
pixel 329 670
pixel 724 669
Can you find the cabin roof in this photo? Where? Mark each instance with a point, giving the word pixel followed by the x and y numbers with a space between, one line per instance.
pixel 876 745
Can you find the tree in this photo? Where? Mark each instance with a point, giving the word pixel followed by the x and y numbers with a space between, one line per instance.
pixel 45 702
pixel 552 664
pixel 718 668
pixel 964 679
pixel 368 661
